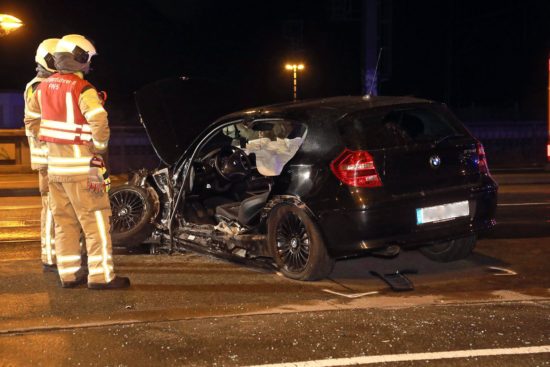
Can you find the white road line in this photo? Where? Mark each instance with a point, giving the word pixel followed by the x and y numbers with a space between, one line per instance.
pixel 523 204
pixel 20 207
pixel 413 357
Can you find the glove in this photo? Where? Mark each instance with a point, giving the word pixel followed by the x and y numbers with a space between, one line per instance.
pixel 98 177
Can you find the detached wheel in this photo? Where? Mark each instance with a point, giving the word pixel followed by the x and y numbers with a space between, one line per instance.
pixel 297 245
pixel 132 212
pixel 452 250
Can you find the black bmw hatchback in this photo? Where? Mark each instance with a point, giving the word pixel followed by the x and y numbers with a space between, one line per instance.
pixel 299 185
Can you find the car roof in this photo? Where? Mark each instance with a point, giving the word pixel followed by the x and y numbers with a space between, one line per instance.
pixel 334 105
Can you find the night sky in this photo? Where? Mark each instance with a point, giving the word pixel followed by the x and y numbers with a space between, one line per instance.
pixel 477 55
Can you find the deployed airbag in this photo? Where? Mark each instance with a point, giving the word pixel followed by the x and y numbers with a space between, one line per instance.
pixel 271 156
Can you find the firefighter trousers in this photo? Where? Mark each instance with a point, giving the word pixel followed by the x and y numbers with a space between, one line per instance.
pixel 74 207
pixel 46 221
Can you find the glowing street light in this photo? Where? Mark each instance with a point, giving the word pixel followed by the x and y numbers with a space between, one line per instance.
pixel 295 68
pixel 8 24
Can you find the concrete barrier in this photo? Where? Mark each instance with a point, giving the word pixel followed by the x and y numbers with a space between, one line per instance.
pixel 14 151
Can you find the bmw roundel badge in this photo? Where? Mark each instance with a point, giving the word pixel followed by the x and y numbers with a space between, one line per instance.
pixel 435 161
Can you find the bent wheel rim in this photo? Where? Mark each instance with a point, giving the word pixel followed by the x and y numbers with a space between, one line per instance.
pixel 128 209
pixel 293 243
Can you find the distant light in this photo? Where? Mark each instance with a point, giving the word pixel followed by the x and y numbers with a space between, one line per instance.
pixel 295 67
pixel 8 24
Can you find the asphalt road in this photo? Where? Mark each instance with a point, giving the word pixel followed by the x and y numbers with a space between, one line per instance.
pixel 200 311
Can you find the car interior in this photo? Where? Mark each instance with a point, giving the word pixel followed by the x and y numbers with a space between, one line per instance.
pixel 233 172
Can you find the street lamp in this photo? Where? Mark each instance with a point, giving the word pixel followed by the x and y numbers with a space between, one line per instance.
pixel 8 24
pixel 295 68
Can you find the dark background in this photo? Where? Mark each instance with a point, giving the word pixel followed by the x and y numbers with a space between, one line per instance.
pixel 486 59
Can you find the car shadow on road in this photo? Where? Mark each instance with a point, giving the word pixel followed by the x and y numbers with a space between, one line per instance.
pixel 359 269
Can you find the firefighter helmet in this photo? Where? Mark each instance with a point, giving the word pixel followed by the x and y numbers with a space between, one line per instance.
pixel 81 48
pixel 44 53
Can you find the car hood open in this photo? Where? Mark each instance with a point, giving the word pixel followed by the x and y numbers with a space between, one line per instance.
pixel 175 111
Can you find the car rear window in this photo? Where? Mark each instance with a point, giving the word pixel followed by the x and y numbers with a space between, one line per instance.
pixel 386 128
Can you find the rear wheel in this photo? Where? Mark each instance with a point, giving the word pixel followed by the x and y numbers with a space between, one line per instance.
pixel 132 212
pixel 450 250
pixel 297 245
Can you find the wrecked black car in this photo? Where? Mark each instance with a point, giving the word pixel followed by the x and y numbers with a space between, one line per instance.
pixel 301 184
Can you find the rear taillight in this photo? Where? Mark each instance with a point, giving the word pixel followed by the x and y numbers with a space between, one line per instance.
pixel 548 151
pixel 356 168
pixel 482 164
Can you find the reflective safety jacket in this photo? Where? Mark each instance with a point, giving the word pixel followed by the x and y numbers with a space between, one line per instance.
pixel 39 151
pixel 70 116
pixel 62 121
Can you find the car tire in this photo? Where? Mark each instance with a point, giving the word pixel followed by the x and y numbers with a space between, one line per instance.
pixel 133 210
pixel 297 245
pixel 452 250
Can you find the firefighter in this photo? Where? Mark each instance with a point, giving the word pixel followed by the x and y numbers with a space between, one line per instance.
pixel 39 153
pixel 74 124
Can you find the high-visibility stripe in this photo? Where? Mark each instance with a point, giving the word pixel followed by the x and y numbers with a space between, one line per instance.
pixel 40 152
pixel 98 271
pixel 69 160
pixel 68 170
pixel 64 135
pixel 77 153
pixel 39 160
pixel 70 270
pixel 69 106
pixel 93 112
pixel 68 258
pixel 49 236
pixel 33 114
pixel 97 258
pixel 58 134
pixel 60 125
pixel 103 236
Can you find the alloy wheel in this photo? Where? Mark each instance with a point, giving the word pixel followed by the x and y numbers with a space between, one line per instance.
pixel 293 243
pixel 128 208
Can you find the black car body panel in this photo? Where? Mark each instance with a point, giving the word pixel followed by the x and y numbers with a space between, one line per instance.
pixel 422 157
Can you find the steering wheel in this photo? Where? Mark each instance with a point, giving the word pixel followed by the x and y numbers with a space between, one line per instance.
pixel 232 163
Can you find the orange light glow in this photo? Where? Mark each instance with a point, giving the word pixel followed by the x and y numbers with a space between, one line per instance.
pixel 8 24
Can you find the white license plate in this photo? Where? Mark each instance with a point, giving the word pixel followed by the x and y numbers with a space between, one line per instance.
pixel 443 212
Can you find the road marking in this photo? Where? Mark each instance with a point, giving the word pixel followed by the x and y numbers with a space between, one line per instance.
pixel 20 207
pixel 524 204
pixel 20 241
pixel 19 223
pixel 353 361
pixel 350 295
